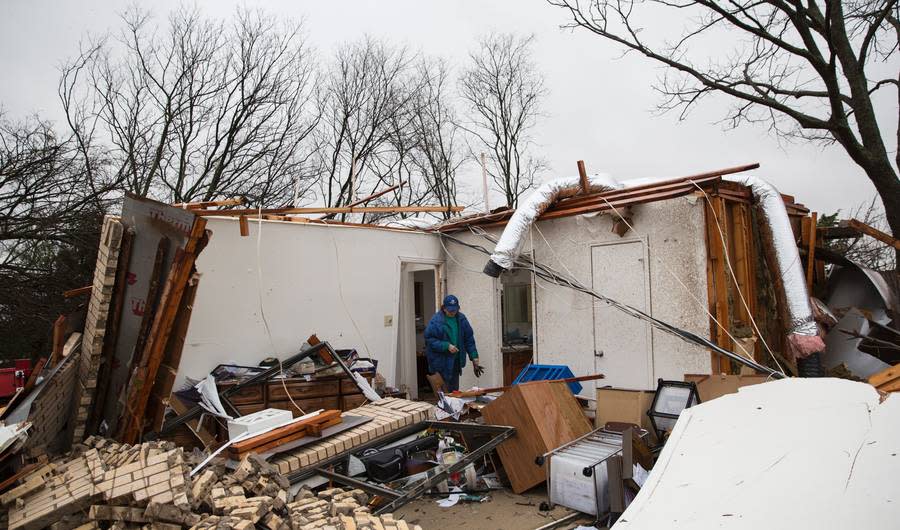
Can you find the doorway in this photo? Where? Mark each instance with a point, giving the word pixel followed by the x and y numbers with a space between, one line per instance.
pixel 420 295
pixel 517 322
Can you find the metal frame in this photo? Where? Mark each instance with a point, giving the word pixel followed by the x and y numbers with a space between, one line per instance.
pixel 400 497
pixel 196 410
pixel 591 438
pixel 692 399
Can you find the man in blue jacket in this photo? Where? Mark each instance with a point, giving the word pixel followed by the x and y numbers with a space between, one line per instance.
pixel 449 339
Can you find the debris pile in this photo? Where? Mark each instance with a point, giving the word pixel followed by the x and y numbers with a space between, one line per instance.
pixel 149 485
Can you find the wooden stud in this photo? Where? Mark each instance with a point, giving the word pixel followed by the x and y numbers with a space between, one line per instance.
pixel 811 250
pixel 582 175
pixel 875 233
pixel 72 293
pixel 245 226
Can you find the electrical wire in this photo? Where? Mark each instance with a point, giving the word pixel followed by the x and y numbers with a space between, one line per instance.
pixel 262 312
pixel 553 276
pixel 734 277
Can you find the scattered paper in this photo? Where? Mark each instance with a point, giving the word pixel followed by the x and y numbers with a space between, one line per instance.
pixel 449 501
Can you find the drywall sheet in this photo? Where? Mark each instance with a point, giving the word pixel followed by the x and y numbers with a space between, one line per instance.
pixel 788 454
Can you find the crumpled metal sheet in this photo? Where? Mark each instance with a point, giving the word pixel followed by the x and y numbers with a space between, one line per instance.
pixel 513 238
pixel 775 226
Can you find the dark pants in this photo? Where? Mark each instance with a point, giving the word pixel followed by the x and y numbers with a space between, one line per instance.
pixel 449 370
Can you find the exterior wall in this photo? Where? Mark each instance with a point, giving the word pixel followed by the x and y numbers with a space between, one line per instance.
pixel 673 232
pixel 341 283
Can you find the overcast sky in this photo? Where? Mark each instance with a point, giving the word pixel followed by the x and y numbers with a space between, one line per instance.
pixel 598 108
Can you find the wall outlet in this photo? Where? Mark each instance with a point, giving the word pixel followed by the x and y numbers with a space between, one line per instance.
pixel 388 320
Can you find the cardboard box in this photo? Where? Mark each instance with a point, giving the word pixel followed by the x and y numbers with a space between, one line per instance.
pixel 712 386
pixel 619 404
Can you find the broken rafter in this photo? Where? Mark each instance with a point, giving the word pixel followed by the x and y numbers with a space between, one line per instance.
pixel 596 202
pixel 364 200
pixel 346 209
pixel 874 233
pixel 237 201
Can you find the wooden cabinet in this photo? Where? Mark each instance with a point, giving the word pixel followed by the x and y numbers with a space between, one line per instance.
pixel 321 393
pixel 545 415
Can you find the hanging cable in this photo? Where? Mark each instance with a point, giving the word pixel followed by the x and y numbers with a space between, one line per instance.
pixel 553 276
pixel 734 277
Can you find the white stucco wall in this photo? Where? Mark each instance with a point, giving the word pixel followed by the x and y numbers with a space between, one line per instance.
pixel 673 232
pixel 338 282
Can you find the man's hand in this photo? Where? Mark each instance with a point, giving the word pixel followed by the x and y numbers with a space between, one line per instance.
pixel 477 367
pixel 452 349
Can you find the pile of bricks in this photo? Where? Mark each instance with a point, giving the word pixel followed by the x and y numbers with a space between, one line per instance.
pixel 105 484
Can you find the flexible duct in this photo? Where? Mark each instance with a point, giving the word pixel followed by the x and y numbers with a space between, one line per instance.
pixel 775 228
pixel 512 240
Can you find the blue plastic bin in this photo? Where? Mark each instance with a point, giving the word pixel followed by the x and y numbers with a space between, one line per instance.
pixel 547 372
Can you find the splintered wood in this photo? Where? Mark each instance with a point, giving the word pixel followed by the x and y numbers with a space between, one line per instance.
pixel 387 415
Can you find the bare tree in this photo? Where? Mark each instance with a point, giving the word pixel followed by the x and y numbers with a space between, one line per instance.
pixel 864 250
pixel 202 110
pixel 52 202
pixel 808 69
pixel 365 108
pixel 437 137
pixel 503 90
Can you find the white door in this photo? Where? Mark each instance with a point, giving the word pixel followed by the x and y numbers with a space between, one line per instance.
pixel 622 349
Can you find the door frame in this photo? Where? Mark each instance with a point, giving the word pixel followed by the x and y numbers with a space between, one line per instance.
pixel 404 359
pixel 651 381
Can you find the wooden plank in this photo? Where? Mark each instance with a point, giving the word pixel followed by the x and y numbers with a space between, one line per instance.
pixel 341 210
pixel 245 226
pixel 172 357
pixel 297 426
pixel 893 386
pixel 141 382
pixel 887 239
pixel 885 376
pixel 205 437
pixel 35 373
pixel 59 339
pixel 81 291
pixel 719 303
pixel 811 250
pixel 237 201
pixel 583 178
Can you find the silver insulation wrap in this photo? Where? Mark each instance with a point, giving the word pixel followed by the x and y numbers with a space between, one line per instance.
pixel 512 240
pixel 775 228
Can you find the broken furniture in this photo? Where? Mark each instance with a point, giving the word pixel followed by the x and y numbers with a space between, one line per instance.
pixel 277 435
pixel 328 392
pixel 322 349
pixel 598 473
pixel 395 497
pixel 545 415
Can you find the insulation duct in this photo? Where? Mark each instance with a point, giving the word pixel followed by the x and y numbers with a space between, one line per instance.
pixel 512 240
pixel 775 229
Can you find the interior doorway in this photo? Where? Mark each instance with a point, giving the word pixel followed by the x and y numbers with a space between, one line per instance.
pixel 517 321
pixel 420 295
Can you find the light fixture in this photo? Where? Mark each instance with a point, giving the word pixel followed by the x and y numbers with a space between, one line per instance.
pixel 671 398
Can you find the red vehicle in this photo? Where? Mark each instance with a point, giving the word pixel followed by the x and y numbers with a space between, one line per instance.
pixel 14 378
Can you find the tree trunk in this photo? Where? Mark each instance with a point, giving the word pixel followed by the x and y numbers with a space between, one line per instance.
pixel 888 186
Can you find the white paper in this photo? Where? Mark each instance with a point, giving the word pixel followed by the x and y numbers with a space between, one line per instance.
pixel 449 501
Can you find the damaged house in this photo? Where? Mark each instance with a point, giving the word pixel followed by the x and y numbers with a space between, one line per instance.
pixel 203 326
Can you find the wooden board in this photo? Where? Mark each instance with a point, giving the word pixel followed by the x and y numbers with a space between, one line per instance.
pixel 298 426
pixel 546 416
pixel 386 415
pixel 885 376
